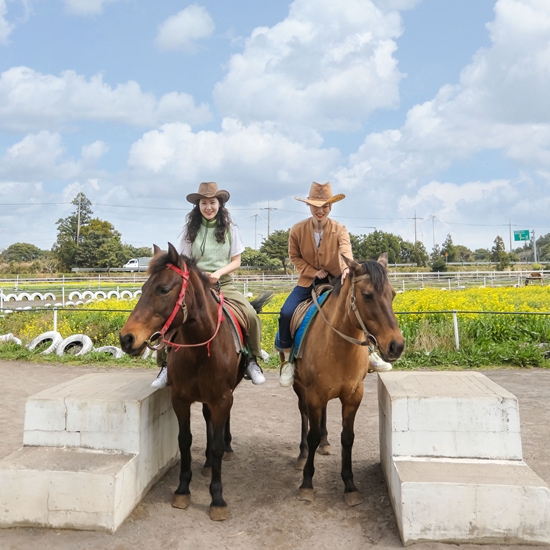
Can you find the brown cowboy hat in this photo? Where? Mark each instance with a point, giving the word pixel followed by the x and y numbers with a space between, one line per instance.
pixel 208 190
pixel 321 194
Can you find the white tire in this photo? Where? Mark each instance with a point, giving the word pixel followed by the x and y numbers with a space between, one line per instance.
pixel 58 304
pixel 11 297
pixel 69 303
pixel 90 301
pixel 87 294
pixel 117 353
pixel 47 304
pixel 24 296
pixel 10 338
pixel 100 295
pixel 75 295
pixel 126 294
pixel 51 336
pixel 49 296
pixel 113 294
pixel 8 311
pixel 36 296
pixel 137 293
pixel 79 303
pixel 76 340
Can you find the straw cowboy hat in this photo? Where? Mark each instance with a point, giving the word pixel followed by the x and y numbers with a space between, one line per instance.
pixel 321 194
pixel 208 190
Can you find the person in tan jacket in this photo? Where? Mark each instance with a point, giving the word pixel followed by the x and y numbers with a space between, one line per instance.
pixel 315 246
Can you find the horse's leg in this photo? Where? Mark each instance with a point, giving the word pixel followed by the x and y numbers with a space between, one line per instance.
pixel 220 413
pixel 349 410
pixel 324 446
pixel 313 438
pixel 227 438
pixel 207 467
pixel 182 495
pixel 301 460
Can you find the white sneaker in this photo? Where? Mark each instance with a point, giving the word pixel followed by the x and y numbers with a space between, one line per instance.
pixel 377 364
pixel 254 372
pixel 286 378
pixel 161 381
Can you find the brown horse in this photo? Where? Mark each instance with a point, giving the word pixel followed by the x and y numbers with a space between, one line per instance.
pixel 335 362
pixel 203 364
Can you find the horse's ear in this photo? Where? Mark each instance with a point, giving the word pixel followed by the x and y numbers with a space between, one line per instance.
pixel 173 255
pixel 383 260
pixel 156 250
pixel 352 264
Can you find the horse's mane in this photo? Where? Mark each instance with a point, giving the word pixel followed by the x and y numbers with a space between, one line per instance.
pixel 376 272
pixel 158 263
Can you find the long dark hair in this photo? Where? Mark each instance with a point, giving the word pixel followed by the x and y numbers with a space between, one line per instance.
pixel 194 220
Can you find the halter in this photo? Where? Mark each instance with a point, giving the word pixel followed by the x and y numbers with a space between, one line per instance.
pixel 180 303
pixel 369 338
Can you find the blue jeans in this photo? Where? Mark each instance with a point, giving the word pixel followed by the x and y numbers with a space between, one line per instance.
pixel 283 339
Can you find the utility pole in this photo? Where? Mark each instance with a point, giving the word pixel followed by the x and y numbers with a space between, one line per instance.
pixel 510 224
pixel 415 218
pixel 269 209
pixel 78 223
pixel 534 245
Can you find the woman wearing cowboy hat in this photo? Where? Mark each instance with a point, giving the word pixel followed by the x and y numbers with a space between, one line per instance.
pixel 215 243
pixel 315 247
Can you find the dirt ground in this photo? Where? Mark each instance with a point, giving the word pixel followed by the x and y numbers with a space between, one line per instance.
pixel 261 482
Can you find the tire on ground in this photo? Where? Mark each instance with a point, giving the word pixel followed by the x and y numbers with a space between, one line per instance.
pixel 117 353
pixel 75 295
pixel 83 342
pixel 126 294
pixel 51 336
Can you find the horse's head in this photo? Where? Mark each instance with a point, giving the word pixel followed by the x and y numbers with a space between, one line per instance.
pixel 371 293
pixel 159 299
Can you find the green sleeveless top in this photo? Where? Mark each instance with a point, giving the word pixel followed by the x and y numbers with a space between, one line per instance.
pixel 209 253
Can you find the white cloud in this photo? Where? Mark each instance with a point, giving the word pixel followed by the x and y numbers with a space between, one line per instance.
pixel 327 66
pixel 249 159
pixel 5 27
pixel 30 101
pixel 86 7
pixel 42 156
pixel 183 30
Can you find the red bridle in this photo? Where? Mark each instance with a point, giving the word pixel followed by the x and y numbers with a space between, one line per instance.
pixel 180 303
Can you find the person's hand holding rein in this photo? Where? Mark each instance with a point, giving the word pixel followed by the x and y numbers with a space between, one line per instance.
pixel 345 273
pixel 321 274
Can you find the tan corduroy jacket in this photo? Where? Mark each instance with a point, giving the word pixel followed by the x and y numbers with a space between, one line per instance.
pixel 304 254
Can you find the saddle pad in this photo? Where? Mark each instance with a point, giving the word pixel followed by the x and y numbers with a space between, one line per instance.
pixel 237 330
pixel 239 313
pixel 300 336
pixel 303 307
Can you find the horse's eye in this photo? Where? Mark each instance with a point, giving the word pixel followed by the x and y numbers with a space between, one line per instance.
pixel 367 296
pixel 165 289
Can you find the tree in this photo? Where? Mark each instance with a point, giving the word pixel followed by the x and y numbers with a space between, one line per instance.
pixel 276 246
pixel 482 254
pixel 255 258
pixel 499 254
pixel 448 249
pixel 369 247
pixel 69 231
pixel 100 245
pixel 463 254
pixel 22 252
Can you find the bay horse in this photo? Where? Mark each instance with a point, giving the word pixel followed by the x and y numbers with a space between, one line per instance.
pixel 177 308
pixel 335 362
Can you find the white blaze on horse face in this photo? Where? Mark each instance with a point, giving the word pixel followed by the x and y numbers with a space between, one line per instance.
pixel 209 208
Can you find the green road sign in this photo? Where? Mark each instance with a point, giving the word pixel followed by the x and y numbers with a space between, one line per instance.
pixel 523 235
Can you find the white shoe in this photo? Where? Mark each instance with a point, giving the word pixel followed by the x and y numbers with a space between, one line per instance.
pixel 377 364
pixel 286 378
pixel 254 372
pixel 161 381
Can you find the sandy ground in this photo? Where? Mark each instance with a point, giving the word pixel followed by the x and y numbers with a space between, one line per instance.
pixel 260 483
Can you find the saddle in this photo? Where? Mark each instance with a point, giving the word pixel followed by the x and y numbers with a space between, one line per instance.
pixel 238 320
pixel 302 309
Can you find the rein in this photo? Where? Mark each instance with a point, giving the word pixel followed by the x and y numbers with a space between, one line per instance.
pixel 180 303
pixel 369 338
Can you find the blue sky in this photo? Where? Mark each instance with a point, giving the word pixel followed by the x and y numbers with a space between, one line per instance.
pixel 409 107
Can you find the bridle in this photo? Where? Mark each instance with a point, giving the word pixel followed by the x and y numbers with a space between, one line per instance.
pixel 159 336
pixel 370 339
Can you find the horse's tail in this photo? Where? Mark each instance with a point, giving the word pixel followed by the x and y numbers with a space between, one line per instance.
pixel 261 301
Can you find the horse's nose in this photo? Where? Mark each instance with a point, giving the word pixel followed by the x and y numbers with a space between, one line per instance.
pixel 395 349
pixel 126 342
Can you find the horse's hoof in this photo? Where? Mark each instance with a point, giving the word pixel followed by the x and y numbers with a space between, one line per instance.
pixel 228 455
pixel 206 471
pixel 353 499
pixel 300 463
pixel 181 501
pixel 306 495
pixel 219 513
pixel 324 449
